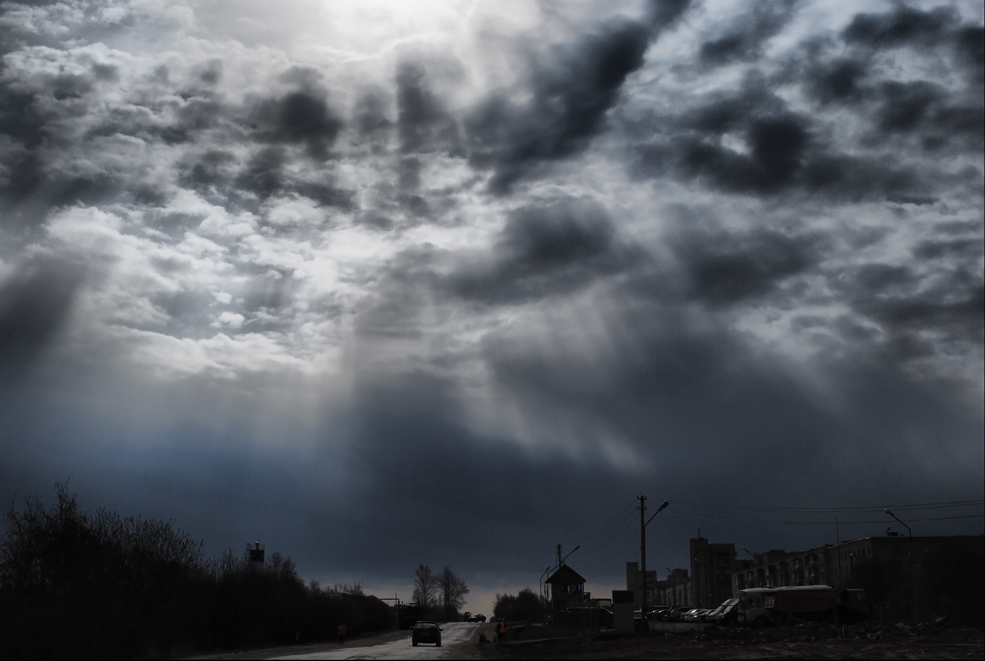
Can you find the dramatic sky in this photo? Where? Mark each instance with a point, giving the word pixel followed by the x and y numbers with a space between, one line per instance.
pixel 382 283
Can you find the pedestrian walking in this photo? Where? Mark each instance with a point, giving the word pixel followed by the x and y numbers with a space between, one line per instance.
pixel 501 630
pixel 342 632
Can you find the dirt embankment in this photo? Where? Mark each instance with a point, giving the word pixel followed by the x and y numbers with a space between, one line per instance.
pixel 804 641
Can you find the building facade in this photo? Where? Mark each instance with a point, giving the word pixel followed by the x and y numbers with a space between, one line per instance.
pixel 712 567
pixel 634 581
pixel 675 590
pixel 567 587
pixel 903 577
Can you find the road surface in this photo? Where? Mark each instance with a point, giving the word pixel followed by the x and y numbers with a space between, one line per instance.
pixel 453 634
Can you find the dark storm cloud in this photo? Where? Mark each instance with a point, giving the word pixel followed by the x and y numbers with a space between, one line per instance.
pixel 778 142
pixel 371 112
pixel 971 51
pixel 326 194
pixel 546 251
pixel 34 306
pixel 724 267
pixel 219 176
pixel 746 36
pixel 20 118
pixel 213 169
pixel 909 27
pixel 837 80
pixel 423 122
pixel 785 151
pixel 903 26
pixel 924 110
pixel 300 117
pixel 568 105
pixel 263 174
pixel 906 306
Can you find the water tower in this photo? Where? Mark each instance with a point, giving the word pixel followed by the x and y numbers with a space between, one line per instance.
pixel 255 555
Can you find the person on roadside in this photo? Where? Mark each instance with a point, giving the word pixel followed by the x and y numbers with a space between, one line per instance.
pixel 342 632
pixel 501 630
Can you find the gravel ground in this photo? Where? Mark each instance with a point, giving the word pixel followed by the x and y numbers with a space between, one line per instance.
pixel 806 641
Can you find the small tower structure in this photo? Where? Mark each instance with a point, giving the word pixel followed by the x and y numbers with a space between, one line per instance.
pixel 255 555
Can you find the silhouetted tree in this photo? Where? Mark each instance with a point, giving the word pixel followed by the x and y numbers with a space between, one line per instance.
pixel 75 584
pixel 524 606
pixel 452 590
pixel 425 586
pixel 81 584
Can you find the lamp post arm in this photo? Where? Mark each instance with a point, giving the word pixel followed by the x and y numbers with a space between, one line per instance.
pixel 659 510
pixel 910 532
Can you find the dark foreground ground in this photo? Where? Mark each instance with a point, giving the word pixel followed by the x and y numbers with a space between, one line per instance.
pixel 805 641
pixel 367 640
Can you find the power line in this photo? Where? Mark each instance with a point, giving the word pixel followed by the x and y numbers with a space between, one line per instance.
pixel 917 506
pixel 613 568
pixel 616 520
pixel 622 520
pixel 813 523
pixel 625 518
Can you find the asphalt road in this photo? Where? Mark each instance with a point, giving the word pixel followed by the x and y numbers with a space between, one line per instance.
pixel 453 634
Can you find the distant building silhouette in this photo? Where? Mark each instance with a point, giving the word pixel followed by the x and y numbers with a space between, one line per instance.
pixel 712 566
pixel 567 587
pixel 634 582
pixel 902 576
pixel 255 555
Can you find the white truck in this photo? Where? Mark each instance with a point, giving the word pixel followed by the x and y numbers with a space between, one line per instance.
pixel 766 606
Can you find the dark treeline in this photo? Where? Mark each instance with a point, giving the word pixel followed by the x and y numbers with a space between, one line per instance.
pixel 524 606
pixel 75 584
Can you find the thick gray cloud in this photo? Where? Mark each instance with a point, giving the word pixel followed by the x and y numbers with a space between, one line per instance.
pixel 745 37
pixel 35 304
pixel 568 101
pixel 546 251
pixel 281 276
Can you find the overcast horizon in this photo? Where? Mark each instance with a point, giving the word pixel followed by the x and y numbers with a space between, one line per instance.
pixel 388 283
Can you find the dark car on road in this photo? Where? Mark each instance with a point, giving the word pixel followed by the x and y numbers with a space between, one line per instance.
pixel 426 632
pixel 473 617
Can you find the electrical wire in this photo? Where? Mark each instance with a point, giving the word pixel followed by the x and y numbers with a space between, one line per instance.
pixel 614 567
pixel 902 508
pixel 617 520
pixel 813 523
pixel 624 519
pixel 619 523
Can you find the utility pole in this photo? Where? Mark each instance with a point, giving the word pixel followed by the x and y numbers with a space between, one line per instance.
pixel 644 623
pixel 913 567
pixel 643 620
pixel 558 555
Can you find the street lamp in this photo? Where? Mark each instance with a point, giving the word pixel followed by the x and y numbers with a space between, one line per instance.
pixel 913 566
pixel 644 624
